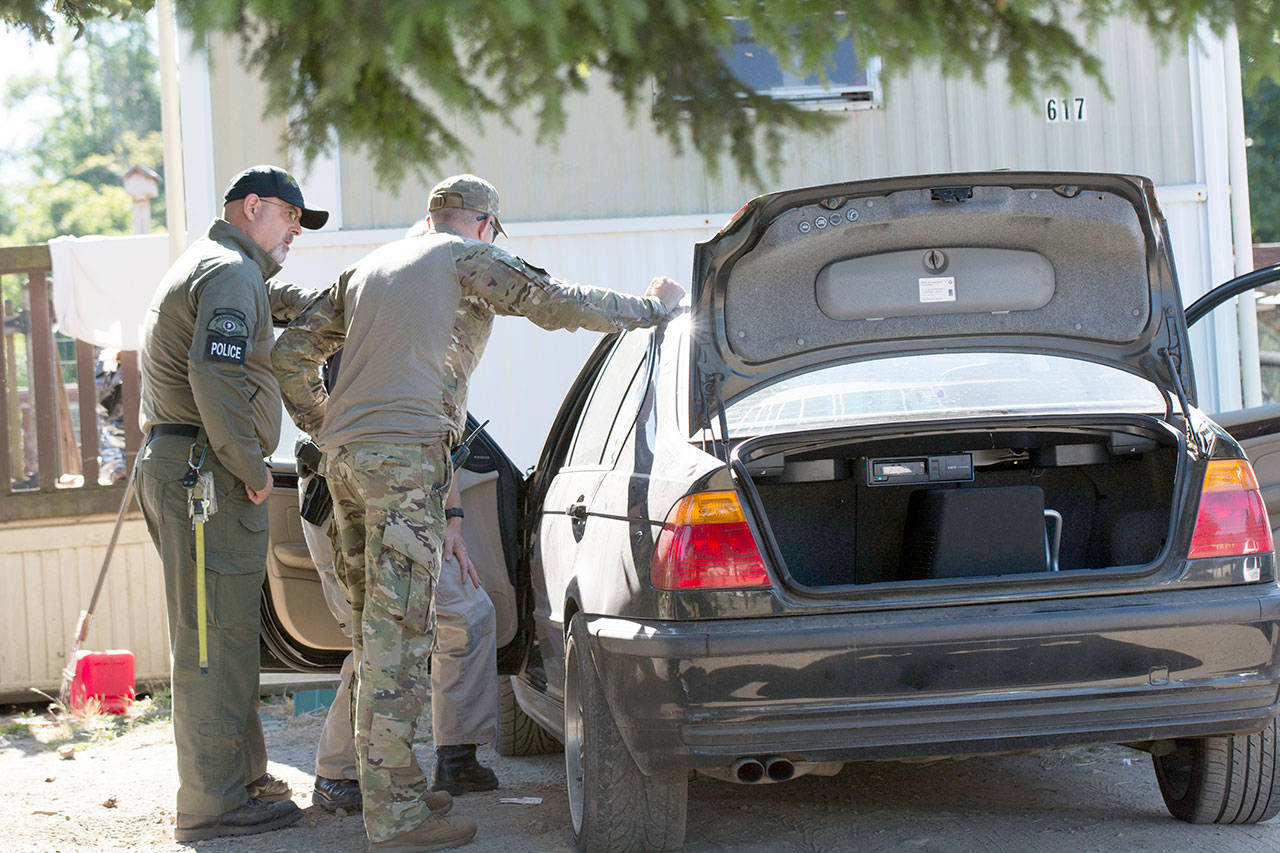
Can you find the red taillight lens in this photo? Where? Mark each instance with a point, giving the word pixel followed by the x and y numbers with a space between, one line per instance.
pixel 706 544
pixel 1232 519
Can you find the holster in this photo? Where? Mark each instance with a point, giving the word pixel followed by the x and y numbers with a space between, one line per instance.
pixel 317 504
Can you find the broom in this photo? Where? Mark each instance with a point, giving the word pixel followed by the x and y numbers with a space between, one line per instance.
pixel 82 624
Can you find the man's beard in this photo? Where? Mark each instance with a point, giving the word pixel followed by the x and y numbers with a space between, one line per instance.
pixel 279 253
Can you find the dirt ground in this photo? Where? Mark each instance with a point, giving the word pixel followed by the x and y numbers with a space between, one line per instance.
pixel 116 793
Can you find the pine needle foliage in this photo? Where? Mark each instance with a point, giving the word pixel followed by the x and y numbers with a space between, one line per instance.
pixel 400 77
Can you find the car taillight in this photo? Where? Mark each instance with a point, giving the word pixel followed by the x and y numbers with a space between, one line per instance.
pixel 1232 519
pixel 705 543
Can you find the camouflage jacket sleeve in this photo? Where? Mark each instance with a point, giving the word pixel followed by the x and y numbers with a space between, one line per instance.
pixel 316 333
pixel 288 299
pixel 510 285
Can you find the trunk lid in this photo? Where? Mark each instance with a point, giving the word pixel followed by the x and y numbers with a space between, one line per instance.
pixel 1074 264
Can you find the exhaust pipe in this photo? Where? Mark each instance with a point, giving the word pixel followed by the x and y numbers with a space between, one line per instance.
pixel 779 769
pixel 749 771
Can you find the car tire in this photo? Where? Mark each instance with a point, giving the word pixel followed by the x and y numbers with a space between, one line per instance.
pixel 1230 779
pixel 518 734
pixel 612 805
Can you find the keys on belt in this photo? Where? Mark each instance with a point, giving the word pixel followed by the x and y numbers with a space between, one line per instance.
pixel 202 499
pixel 202 502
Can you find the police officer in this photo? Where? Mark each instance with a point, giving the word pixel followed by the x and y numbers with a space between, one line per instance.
pixel 415 316
pixel 211 405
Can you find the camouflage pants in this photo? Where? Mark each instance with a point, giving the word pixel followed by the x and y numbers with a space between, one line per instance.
pixel 388 512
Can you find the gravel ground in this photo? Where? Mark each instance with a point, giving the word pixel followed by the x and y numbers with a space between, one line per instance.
pixel 116 793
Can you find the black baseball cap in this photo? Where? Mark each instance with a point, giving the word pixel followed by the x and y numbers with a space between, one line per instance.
pixel 274 182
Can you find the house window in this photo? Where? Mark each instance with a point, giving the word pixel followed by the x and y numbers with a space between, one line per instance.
pixel 850 82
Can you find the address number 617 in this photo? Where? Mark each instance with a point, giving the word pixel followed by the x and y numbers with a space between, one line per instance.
pixel 1063 110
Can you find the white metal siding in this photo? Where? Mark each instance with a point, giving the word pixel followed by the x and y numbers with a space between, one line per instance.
pixel 609 166
pixel 242 134
pixel 1186 211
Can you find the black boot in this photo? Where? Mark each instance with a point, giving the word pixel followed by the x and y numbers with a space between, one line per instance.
pixel 458 772
pixel 334 794
pixel 249 819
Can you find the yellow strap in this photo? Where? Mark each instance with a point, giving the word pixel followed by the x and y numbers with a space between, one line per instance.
pixel 202 614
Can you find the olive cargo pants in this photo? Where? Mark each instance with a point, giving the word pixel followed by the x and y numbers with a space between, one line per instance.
pixel 216 728
pixel 388 513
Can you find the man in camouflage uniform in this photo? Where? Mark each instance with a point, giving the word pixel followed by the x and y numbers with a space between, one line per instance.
pixel 464 670
pixel 208 395
pixel 415 316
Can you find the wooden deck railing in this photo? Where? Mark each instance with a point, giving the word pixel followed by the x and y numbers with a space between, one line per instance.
pixel 46 469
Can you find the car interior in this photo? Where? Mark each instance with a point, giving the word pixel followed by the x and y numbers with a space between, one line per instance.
pixel 959 504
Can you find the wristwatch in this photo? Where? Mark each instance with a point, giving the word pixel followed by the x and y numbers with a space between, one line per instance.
pixel 453 512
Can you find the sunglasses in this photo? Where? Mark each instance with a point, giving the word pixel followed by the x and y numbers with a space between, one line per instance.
pixel 291 213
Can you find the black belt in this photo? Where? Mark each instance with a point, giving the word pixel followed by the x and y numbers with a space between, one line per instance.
pixel 184 430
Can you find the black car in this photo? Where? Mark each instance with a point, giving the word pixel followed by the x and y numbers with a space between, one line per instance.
pixel 918 473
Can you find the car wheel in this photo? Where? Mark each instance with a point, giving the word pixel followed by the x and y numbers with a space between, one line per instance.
pixel 613 806
pixel 518 734
pixel 1231 779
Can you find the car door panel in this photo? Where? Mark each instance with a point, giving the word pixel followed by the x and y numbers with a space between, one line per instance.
pixel 291 578
pixel 560 540
pixel 572 544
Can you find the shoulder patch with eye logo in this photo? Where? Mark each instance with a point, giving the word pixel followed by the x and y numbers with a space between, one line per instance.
pixel 229 323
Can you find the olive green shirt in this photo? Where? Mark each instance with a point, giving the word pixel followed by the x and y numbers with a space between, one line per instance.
pixel 412 319
pixel 206 346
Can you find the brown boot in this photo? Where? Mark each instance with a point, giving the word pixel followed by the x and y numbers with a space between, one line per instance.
pixel 439 802
pixel 269 789
pixel 434 833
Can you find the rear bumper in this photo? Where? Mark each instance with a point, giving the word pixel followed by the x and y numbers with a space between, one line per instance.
pixel 944 681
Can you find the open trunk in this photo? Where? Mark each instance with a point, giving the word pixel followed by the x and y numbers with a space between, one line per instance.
pixel 966 502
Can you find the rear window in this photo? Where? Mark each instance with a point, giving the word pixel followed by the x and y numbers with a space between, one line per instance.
pixel 941 386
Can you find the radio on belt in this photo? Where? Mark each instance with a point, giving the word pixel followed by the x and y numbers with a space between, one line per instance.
pixel 955 468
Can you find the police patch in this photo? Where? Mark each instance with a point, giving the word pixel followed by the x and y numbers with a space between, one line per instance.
pixel 229 323
pixel 223 348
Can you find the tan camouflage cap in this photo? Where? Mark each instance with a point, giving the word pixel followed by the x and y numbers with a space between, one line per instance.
pixel 469 193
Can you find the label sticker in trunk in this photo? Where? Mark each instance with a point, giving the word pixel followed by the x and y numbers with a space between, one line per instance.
pixel 938 289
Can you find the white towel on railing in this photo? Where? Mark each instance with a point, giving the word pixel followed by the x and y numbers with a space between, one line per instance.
pixel 102 286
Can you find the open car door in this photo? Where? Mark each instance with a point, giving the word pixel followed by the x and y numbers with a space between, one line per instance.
pixel 298 631
pixel 1256 428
